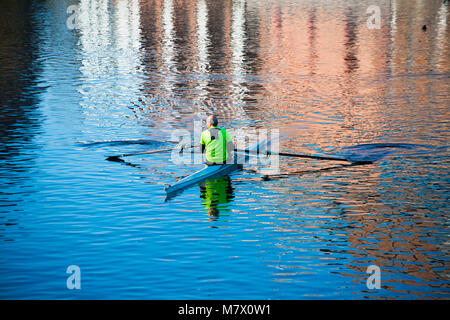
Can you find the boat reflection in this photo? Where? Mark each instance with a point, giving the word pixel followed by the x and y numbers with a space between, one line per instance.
pixel 216 195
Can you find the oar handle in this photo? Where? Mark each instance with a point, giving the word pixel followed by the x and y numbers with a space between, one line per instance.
pixel 297 155
pixel 146 152
pixel 117 157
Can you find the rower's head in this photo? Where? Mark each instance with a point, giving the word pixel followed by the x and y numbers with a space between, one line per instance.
pixel 211 121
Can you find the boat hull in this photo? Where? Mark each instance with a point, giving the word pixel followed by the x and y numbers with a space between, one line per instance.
pixel 201 175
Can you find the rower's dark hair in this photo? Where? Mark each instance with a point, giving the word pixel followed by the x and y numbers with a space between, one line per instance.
pixel 212 119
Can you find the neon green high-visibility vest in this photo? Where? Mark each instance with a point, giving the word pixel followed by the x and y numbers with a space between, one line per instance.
pixel 215 141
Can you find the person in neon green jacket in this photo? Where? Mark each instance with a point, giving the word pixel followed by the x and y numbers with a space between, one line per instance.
pixel 216 143
pixel 216 195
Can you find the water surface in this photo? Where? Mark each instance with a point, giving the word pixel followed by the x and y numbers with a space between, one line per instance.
pixel 138 70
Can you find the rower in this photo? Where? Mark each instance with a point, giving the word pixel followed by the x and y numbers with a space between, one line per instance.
pixel 216 143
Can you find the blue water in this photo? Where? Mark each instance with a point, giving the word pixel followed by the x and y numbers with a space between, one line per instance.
pixel 132 72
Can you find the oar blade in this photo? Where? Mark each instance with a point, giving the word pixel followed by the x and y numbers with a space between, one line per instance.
pixel 361 162
pixel 114 158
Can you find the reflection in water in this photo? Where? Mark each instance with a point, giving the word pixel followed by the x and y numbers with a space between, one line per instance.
pixel 138 69
pixel 216 195
pixel 442 35
pixel 351 41
pixel 238 38
pixel 19 80
pixel 203 43
pixel 20 118
pixel 110 48
pixel 312 40
pixel 168 49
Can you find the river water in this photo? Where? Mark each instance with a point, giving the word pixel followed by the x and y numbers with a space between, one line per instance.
pixel 331 76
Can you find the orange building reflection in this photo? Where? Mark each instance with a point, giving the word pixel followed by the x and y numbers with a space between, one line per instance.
pixel 320 73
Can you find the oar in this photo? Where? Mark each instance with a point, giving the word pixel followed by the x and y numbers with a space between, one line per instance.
pixel 117 157
pixel 308 156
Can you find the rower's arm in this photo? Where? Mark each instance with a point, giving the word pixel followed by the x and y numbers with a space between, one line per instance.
pixel 202 143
